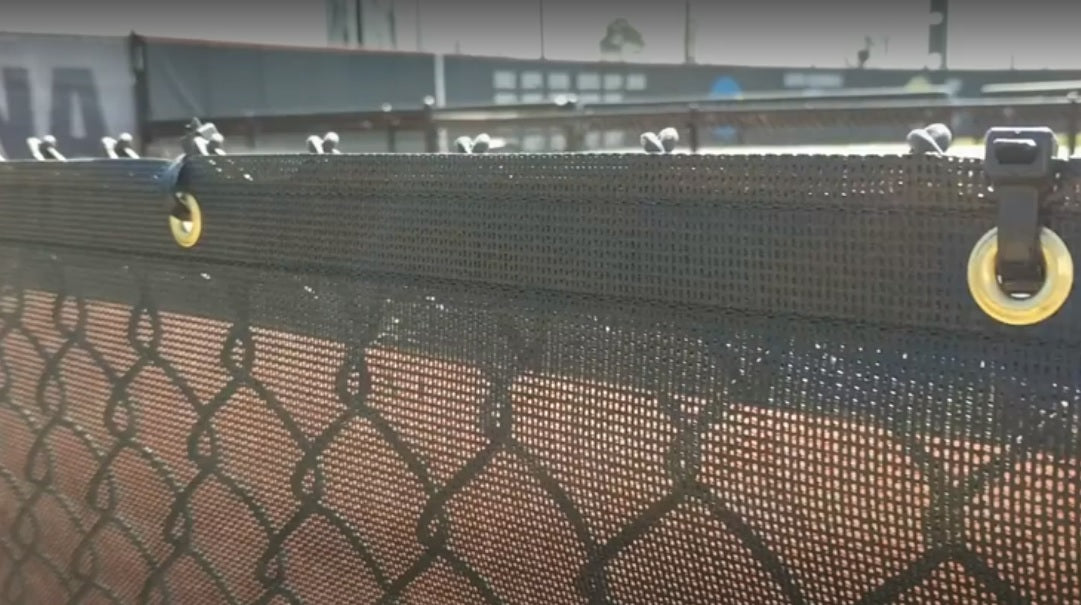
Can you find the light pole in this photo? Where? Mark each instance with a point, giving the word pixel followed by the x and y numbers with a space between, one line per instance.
pixel 688 34
pixel 938 33
pixel 540 9
pixel 417 19
pixel 392 24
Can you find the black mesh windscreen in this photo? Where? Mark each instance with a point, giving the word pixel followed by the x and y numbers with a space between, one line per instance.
pixel 527 379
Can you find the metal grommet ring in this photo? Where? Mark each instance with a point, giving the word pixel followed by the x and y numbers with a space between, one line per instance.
pixel 187 231
pixel 983 281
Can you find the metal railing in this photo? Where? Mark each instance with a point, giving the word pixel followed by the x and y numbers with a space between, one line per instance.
pixel 858 110
pixel 852 109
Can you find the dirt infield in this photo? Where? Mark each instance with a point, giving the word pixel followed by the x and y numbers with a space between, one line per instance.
pixel 841 505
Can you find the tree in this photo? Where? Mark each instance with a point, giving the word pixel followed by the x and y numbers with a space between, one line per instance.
pixel 864 53
pixel 620 38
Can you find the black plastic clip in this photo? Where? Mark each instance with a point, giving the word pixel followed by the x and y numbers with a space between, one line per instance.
pixel 202 139
pixel 199 139
pixel 1020 164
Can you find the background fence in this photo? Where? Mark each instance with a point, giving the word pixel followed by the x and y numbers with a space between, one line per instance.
pixel 266 100
pixel 859 117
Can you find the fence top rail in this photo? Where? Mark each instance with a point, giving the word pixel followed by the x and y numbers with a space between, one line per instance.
pixel 556 115
pixel 1051 86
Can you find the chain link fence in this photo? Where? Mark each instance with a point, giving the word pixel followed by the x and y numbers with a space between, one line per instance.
pixel 537 379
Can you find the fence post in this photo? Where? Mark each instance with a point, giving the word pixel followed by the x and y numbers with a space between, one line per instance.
pixel 140 91
pixel 574 132
pixel 251 131
pixel 431 133
pixel 1072 121
pixel 692 128
pixel 392 128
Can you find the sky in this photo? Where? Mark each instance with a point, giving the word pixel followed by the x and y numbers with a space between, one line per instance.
pixel 991 34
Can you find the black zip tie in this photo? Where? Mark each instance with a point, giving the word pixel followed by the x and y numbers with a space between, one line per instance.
pixel 199 140
pixel 1020 164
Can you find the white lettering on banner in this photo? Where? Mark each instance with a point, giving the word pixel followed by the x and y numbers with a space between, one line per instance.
pixel 78 89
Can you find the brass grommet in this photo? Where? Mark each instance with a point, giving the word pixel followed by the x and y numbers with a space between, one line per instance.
pixel 187 231
pixel 983 281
